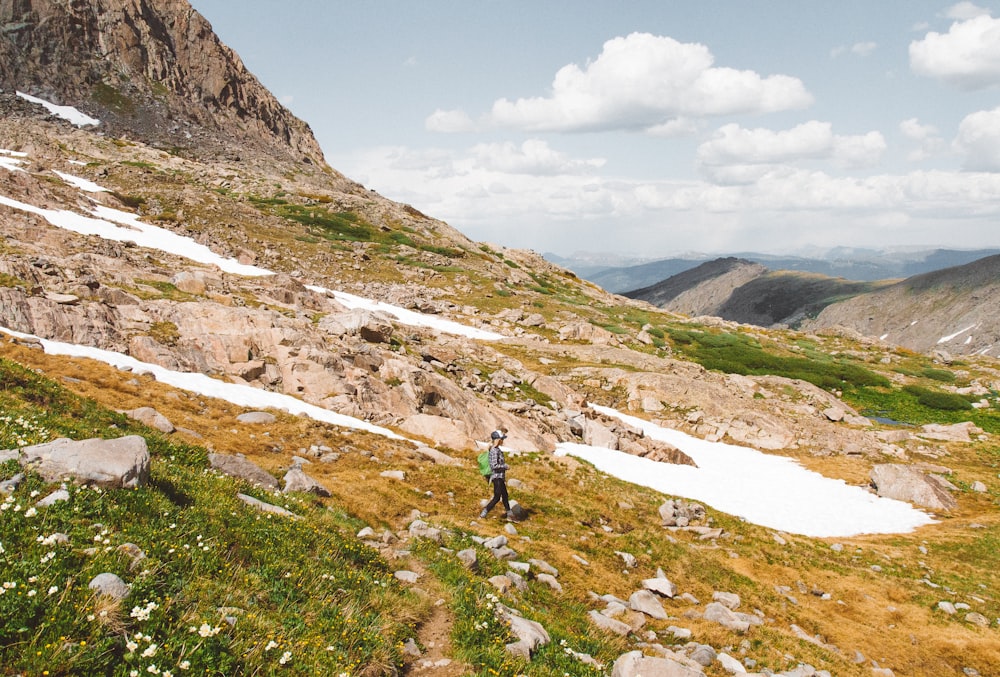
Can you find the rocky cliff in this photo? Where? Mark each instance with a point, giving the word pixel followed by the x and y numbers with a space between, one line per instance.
pixel 153 71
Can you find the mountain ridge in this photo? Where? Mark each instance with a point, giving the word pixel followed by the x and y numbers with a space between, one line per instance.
pixel 151 70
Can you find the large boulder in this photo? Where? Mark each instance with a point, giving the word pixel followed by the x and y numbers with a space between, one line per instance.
pixel 297 480
pixel 634 664
pixel 237 465
pixel 117 463
pixel 904 483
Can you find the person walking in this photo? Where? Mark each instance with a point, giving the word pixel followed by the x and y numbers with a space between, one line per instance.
pixel 498 474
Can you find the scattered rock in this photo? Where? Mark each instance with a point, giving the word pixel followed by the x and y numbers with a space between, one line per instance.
pixel 152 418
pixel 257 418
pixel 266 507
pixel 634 664
pixel 647 603
pixel 237 465
pixel 109 585
pixel 297 480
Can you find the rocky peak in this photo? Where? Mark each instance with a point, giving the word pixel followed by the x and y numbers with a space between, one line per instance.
pixel 154 71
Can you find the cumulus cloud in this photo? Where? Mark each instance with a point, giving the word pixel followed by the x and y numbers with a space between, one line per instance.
pixel 531 157
pixel 965 10
pixel 966 57
pixel 979 140
pixel 739 155
pixel 776 205
pixel 449 121
pixel 642 82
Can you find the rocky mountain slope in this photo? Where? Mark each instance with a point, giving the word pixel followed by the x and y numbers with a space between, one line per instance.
pixel 953 310
pixel 114 238
pixel 743 291
pixel 153 71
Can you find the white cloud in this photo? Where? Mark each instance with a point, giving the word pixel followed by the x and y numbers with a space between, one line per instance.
pixel 967 56
pixel 739 155
pixel 926 136
pixel 861 49
pixel 449 121
pixel 642 82
pixel 965 10
pixel 979 140
pixel 911 128
pixel 531 157
pixel 777 205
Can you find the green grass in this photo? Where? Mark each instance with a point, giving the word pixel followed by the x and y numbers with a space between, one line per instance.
pixel 741 354
pixel 222 589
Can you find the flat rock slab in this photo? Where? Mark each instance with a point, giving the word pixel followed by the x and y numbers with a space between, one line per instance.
pixel 121 463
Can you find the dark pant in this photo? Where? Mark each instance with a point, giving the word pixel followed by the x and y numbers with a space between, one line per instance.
pixel 499 494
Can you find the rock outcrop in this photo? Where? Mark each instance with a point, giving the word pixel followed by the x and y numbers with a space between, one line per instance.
pixel 152 70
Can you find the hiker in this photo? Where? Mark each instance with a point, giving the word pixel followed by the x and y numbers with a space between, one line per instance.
pixel 498 474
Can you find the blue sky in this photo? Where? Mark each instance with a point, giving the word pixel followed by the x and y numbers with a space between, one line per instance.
pixel 651 128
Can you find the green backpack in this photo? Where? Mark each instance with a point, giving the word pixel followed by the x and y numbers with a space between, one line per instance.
pixel 484 464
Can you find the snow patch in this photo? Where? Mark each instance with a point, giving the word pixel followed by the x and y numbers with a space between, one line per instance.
pixel 69 113
pixel 945 339
pixel 81 183
pixel 771 491
pixel 236 393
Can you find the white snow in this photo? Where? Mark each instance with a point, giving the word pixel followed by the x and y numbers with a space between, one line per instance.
pixel 12 153
pixel 65 112
pixel 771 491
pixel 238 394
pixel 81 183
pixel 945 339
pixel 162 239
pixel 11 163
pixel 408 316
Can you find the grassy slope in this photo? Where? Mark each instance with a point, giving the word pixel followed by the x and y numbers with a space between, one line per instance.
pixel 310 585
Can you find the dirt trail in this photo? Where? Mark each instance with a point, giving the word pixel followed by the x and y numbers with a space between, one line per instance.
pixel 434 634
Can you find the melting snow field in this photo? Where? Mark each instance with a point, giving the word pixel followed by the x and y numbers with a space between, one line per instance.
pixel 767 490
pixel 69 113
pixel 771 491
pixel 238 394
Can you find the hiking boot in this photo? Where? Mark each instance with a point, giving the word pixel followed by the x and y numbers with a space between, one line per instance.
pixel 510 516
pixel 482 513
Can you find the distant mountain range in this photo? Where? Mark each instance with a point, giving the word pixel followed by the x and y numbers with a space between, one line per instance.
pixel 953 308
pixel 619 274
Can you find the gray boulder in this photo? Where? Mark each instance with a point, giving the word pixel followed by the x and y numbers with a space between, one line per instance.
pixel 152 418
pixel 648 603
pixel 109 585
pixel 266 507
pixel 257 418
pixel 297 480
pixel 609 624
pixel 237 465
pixel 661 586
pixel 118 463
pixel 634 664
pixel 904 483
